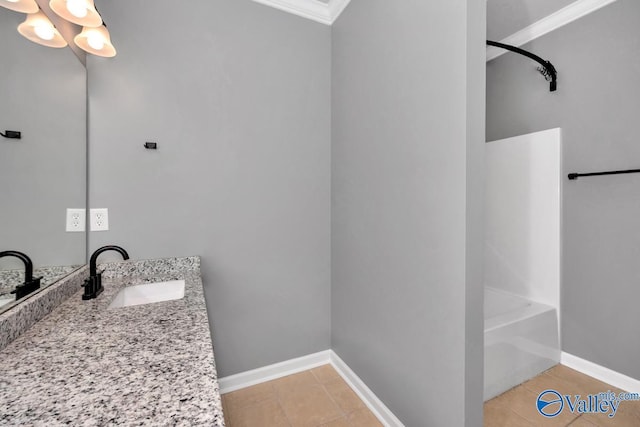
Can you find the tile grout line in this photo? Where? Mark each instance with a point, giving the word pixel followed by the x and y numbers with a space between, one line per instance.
pixel 274 395
pixel 570 378
pixel 344 414
pixel 225 412
pixel 325 390
pixel 515 413
pixel 574 420
pixel 277 396
pixel 244 406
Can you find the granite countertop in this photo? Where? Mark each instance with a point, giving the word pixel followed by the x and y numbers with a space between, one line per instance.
pixel 10 278
pixel 85 364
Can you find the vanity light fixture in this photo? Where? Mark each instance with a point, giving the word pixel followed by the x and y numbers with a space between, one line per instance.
pixel 81 12
pixel 39 29
pixel 96 41
pixel 22 6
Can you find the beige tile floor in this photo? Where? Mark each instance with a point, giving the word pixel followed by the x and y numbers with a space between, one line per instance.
pixel 517 407
pixel 318 397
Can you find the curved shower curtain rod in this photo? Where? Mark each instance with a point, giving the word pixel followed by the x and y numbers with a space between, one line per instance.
pixel 546 68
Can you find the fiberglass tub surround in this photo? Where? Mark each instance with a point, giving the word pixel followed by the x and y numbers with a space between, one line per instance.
pixel 520 340
pixel 522 258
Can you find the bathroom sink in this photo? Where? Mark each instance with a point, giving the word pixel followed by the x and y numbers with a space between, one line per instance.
pixel 148 293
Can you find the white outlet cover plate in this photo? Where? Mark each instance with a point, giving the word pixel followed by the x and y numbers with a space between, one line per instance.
pixel 99 219
pixel 76 220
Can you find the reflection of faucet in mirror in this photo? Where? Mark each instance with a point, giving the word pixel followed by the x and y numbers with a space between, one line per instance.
pixel 30 284
pixel 93 285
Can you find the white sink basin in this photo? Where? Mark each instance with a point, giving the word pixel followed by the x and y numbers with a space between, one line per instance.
pixel 148 293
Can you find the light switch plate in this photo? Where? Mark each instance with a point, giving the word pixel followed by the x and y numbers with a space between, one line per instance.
pixel 99 219
pixel 76 220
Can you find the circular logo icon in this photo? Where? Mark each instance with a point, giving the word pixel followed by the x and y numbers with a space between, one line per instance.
pixel 549 403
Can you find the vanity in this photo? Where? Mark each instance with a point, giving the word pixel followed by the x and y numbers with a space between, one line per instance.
pixel 140 357
pixel 86 363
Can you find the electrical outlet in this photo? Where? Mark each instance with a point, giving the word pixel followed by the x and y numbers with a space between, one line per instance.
pixel 99 219
pixel 76 220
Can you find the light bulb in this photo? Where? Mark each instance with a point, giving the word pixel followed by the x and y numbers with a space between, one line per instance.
pixel 44 31
pixel 77 8
pixel 96 41
pixel 39 29
pixel 21 6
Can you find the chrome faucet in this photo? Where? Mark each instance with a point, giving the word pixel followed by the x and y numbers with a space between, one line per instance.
pixel 93 285
pixel 30 284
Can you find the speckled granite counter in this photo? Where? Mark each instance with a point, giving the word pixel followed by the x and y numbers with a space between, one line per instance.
pixel 9 279
pixel 35 306
pixel 87 365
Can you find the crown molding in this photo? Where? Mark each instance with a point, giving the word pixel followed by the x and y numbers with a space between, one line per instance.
pixel 324 13
pixel 552 22
pixel 336 7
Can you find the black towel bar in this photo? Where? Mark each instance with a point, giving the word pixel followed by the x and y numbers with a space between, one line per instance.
pixel 576 175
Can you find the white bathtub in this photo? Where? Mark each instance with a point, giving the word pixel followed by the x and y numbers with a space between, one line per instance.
pixel 520 340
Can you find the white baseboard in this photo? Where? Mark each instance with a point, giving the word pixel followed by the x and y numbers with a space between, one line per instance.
pixel 300 364
pixel 272 372
pixel 379 409
pixel 601 373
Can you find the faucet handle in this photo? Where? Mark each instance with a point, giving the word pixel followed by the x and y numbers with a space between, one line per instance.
pixel 89 289
pixel 26 288
pixel 92 287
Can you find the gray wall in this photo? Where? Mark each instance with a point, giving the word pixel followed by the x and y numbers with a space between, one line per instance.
pixel 597 105
pixel 407 125
pixel 237 96
pixel 42 94
pixel 474 262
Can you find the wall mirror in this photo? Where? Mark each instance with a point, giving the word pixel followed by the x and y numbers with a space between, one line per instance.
pixel 42 95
